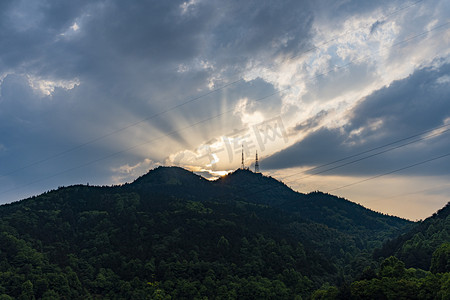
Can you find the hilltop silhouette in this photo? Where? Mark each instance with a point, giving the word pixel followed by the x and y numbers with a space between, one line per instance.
pixel 172 234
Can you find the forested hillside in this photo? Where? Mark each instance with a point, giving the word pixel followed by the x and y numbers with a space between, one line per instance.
pixel 174 235
pixel 416 247
pixel 414 265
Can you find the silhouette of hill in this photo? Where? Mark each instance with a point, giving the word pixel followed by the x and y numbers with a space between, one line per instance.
pixel 169 176
pixel 256 188
pixel 171 233
pixel 173 182
pixel 335 212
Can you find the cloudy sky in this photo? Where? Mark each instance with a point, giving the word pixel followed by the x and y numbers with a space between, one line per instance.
pixel 348 97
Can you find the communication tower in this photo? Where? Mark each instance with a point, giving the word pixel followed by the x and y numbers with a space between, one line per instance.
pixel 242 161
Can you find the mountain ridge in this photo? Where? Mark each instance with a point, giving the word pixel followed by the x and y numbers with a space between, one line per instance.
pixel 247 182
pixel 245 234
pixel 416 247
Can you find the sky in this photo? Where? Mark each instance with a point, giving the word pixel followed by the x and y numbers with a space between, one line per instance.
pixel 348 97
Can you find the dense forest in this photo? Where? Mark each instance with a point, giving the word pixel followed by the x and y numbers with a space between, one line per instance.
pixel 172 234
pixel 414 265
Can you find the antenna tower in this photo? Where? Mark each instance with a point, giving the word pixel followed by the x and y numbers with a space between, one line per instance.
pixel 256 163
pixel 242 162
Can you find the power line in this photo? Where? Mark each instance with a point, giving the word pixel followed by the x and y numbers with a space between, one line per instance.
pixel 415 192
pixel 391 172
pixel 101 137
pixel 355 183
pixel 372 155
pixel 424 132
pixel 355 155
pixel 215 116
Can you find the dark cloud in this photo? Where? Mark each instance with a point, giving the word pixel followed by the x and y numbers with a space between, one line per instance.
pixel 407 107
pixel 130 61
pixel 310 123
pixel 264 27
pixel 375 26
pixel 111 63
pixel 155 34
pixel 418 102
pixel 323 88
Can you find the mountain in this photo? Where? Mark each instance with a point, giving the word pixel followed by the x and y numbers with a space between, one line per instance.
pixel 414 265
pixel 173 234
pixel 171 181
pixel 416 247
pixel 255 188
pixel 370 228
pixel 169 176
pixel 334 212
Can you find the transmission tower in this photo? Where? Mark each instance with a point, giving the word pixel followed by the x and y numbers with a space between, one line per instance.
pixel 242 161
pixel 256 163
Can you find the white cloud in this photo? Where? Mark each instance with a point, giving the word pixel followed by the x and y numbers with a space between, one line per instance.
pixel 46 87
pixel 244 108
pixel 75 27
pixel 187 5
pixel 127 173
pixel 443 79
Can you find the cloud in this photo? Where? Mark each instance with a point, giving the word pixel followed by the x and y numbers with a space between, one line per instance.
pixel 407 107
pixel 77 73
pixel 89 86
pixel 375 26
pixel 127 173
pixel 311 122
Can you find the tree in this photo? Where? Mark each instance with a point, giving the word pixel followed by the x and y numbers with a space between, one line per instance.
pixel 27 291
pixel 392 267
pixel 440 262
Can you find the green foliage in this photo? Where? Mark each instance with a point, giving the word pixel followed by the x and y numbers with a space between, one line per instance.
pixel 173 235
pixel 393 280
pixel 325 292
pixel 392 267
pixel 440 262
pixel 135 246
pixel 416 247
